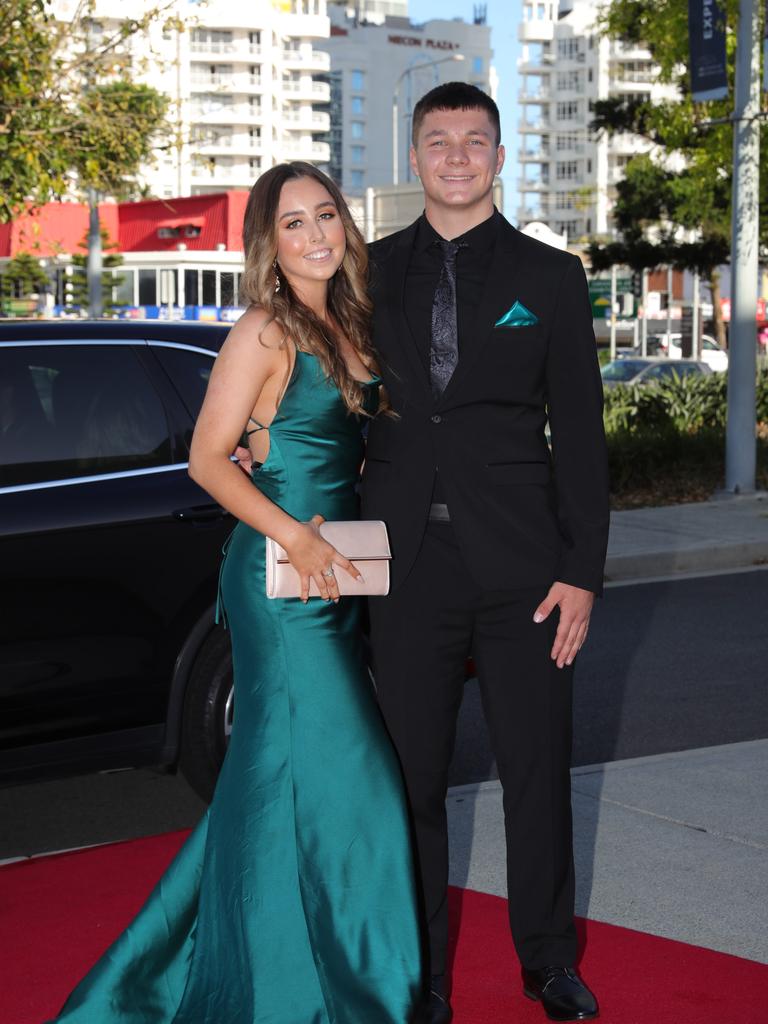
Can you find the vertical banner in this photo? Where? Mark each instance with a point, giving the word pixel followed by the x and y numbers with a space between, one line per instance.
pixel 706 34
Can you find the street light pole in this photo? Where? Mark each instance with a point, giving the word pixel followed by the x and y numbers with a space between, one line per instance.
pixel 395 113
pixel 740 441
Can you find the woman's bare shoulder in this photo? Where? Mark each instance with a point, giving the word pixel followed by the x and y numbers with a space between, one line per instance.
pixel 256 334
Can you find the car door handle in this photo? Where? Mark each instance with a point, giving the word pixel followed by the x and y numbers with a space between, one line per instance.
pixel 201 515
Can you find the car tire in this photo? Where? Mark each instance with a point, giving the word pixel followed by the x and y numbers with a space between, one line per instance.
pixel 207 717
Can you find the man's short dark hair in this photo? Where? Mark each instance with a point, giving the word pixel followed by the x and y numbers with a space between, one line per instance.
pixel 455 96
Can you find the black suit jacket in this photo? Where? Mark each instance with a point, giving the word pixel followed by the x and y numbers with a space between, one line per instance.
pixel 523 515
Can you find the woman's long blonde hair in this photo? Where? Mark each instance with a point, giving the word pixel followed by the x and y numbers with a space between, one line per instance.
pixel 348 301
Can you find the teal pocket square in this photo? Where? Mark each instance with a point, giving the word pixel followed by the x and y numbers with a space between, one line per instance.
pixel 517 316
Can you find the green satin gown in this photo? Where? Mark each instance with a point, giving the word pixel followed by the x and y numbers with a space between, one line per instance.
pixel 292 902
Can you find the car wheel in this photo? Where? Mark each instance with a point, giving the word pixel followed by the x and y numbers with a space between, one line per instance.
pixel 208 714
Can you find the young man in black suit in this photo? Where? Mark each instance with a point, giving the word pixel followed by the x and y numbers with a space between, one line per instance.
pixel 485 338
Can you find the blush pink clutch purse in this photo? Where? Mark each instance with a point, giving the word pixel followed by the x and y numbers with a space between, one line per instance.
pixel 363 541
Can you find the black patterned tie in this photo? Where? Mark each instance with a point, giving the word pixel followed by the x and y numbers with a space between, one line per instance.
pixel 444 345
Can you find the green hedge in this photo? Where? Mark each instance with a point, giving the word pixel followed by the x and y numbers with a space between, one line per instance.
pixel 687 404
pixel 666 442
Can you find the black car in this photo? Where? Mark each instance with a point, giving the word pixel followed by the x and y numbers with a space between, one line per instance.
pixel 109 553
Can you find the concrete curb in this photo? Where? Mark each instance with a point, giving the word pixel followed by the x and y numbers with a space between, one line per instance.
pixel 694 559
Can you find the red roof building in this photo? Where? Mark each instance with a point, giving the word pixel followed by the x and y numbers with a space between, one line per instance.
pixel 207 223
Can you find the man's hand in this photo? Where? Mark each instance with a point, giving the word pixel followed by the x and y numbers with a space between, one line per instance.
pixel 575 609
pixel 244 459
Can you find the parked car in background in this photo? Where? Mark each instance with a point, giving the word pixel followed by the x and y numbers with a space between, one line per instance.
pixel 670 345
pixel 109 553
pixel 636 370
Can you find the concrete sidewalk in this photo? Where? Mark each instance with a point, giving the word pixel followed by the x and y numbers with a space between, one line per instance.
pixel 723 533
pixel 673 845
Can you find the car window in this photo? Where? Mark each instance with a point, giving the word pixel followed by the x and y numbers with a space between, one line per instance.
pixel 77 410
pixel 622 369
pixel 189 371
pixel 667 371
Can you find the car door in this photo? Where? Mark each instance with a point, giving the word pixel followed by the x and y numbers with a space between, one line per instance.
pixel 99 554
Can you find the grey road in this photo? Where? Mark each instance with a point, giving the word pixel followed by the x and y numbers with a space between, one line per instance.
pixel 669 666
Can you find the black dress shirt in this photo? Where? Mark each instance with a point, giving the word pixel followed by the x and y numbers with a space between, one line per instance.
pixel 472 266
pixel 426 262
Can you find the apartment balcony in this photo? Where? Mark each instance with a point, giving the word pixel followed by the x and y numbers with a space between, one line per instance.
pixel 525 214
pixel 534 154
pixel 535 31
pixel 533 67
pixel 228 83
pixel 537 126
pixel 319 152
pixel 620 86
pixel 236 113
pixel 212 48
pixel 533 185
pixel 566 149
pixel 237 142
pixel 627 51
pixel 306 120
pixel 312 60
pixel 213 174
pixel 534 96
pixel 319 92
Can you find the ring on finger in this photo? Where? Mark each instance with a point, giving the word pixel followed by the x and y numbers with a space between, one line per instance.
pixel 328 573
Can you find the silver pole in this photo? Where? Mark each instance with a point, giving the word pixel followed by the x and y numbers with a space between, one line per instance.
pixel 644 323
pixel 740 442
pixel 670 282
pixel 695 338
pixel 94 260
pixel 613 311
pixel 395 161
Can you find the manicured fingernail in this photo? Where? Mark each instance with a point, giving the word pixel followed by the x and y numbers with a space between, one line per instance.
pixel 538 617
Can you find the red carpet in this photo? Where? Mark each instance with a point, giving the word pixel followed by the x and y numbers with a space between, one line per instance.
pixel 57 914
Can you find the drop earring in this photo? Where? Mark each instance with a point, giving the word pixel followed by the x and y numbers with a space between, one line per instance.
pixel 277 276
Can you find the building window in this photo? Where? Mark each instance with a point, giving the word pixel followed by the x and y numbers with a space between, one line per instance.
pixel 191 287
pixel 147 287
pixel 477 65
pixel 568 111
pixel 568 49
pixel 567 169
pixel 209 288
pixel 569 81
pixel 358 81
pixel 357 130
pixel 356 179
pixel 358 154
pixel 357 105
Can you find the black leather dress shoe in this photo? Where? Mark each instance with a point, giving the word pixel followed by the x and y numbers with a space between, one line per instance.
pixel 438 1010
pixel 561 992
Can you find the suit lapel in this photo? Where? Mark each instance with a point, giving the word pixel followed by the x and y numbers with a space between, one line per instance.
pixel 502 286
pixel 393 271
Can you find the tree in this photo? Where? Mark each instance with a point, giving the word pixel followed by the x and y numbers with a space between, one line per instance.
pixel 78 297
pixel 22 278
pixel 71 118
pixel 674 206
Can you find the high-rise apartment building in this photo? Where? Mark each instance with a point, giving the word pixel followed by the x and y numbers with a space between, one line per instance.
pixel 567 175
pixel 380 69
pixel 372 11
pixel 243 83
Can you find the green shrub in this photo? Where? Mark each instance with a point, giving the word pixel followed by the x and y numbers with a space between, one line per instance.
pixel 666 441
pixel 686 404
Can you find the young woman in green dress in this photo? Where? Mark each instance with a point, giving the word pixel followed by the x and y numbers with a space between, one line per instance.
pixel 292 902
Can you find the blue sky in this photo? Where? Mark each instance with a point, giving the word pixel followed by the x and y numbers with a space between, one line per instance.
pixel 503 17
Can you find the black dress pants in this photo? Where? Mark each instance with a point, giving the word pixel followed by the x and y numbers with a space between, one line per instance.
pixel 421 636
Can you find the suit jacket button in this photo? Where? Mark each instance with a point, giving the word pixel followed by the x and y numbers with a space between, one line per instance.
pixel 436 418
